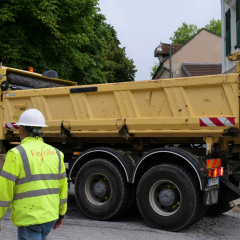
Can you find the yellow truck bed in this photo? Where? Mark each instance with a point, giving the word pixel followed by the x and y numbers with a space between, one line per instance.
pixel 183 107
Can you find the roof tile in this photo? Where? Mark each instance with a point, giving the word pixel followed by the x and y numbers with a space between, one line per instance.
pixel 202 69
pixel 165 49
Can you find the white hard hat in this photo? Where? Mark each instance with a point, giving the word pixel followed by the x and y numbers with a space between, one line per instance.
pixel 32 117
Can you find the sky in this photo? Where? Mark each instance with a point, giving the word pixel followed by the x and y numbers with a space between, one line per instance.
pixel 142 24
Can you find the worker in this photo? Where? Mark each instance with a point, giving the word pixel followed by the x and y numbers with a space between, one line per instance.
pixel 33 181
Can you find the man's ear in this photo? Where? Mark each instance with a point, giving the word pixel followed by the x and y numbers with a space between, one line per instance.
pixel 23 132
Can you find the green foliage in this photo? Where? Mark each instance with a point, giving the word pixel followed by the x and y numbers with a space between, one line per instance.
pixel 68 36
pixel 154 69
pixel 184 33
pixel 215 26
pixel 116 66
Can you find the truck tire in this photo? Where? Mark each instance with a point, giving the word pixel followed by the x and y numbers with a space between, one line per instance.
pixel 101 189
pixel 226 195
pixel 169 198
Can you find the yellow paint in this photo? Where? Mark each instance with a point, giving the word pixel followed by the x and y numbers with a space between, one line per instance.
pixel 234 56
pixel 155 108
pixel 218 162
pixel 210 164
pixel 238 67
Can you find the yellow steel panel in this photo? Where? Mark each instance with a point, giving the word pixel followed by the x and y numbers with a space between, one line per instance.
pixel 13 111
pixel 134 105
pixel 38 103
pixel 90 125
pixel 187 102
pixel 59 107
pixel 172 102
pixel 7 111
pixel 79 103
pixel 120 104
pixel 126 104
pixel 152 103
pixel 182 109
pixel 177 102
pixel 209 101
pixel 86 106
pixel 53 107
pixel 231 94
pixel 103 105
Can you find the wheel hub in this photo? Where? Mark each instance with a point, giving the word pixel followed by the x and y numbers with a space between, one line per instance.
pixel 100 189
pixel 168 197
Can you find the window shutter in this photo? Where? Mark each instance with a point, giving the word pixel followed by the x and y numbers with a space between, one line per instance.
pixel 238 22
pixel 228 31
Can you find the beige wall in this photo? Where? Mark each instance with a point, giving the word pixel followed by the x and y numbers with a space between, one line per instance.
pixel 165 74
pixel 203 48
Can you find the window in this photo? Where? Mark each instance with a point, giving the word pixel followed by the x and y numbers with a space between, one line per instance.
pixel 228 31
pixel 238 22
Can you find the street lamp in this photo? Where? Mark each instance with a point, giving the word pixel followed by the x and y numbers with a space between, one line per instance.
pixel 170 55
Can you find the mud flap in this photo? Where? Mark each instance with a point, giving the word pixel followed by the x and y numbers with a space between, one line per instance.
pixel 210 197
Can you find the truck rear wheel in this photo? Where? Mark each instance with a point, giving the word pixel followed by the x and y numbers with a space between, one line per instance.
pixel 101 189
pixel 226 195
pixel 169 198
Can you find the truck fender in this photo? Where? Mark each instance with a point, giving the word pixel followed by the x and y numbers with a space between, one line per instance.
pixel 177 156
pixel 107 153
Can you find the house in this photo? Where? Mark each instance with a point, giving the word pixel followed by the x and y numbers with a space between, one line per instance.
pixel 230 16
pixel 201 55
pixel 164 54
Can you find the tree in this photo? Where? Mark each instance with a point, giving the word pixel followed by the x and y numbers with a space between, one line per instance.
pixel 68 36
pixel 115 65
pixel 215 26
pixel 184 33
pixel 154 69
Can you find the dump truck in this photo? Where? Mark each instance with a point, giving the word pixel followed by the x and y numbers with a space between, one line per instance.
pixel 169 147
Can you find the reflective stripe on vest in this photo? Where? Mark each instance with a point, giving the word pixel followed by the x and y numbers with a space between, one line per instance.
pixel 5 203
pixel 63 201
pixel 37 177
pixel 8 176
pixel 63 175
pixel 36 193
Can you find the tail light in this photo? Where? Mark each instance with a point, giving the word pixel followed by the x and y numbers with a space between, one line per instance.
pixel 76 153
pixel 220 171
pixel 216 172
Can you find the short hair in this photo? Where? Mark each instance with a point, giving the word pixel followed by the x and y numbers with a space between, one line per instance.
pixel 32 131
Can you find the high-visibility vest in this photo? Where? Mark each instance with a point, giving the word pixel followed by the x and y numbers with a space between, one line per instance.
pixel 33 182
